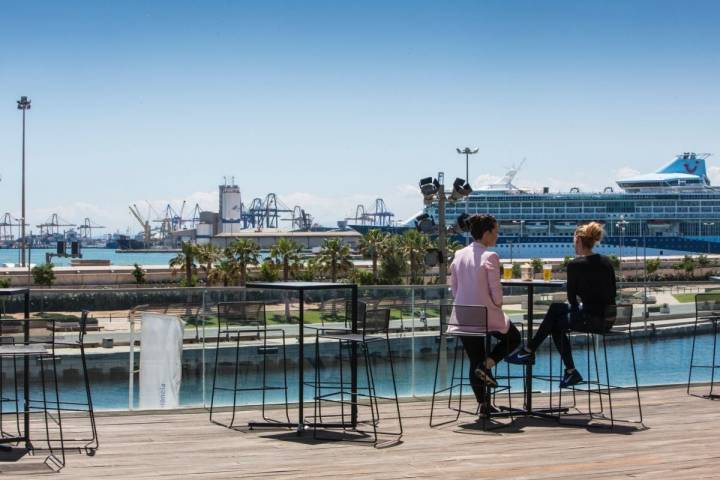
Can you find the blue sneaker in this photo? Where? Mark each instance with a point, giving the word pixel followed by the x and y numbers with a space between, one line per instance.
pixel 521 357
pixel 570 379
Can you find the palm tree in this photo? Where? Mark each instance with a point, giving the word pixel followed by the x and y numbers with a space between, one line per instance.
pixel 245 252
pixel 186 259
pixel 392 264
pixel 286 252
pixel 414 246
pixel 370 246
pixel 335 255
pixel 226 272
pixel 207 256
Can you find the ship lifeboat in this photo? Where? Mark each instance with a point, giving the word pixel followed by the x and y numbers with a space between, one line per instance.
pixel 656 225
pixel 565 226
pixel 509 226
pixel 536 226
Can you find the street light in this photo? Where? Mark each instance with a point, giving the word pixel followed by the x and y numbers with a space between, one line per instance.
pixel 467 151
pixel 621 225
pixel 24 105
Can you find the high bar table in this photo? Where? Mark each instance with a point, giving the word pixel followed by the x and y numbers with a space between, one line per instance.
pixel 530 286
pixel 301 288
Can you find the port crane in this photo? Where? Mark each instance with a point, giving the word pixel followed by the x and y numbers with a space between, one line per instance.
pixel 52 225
pixel 135 211
pixel 87 227
pixel 381 216
pixel 6 226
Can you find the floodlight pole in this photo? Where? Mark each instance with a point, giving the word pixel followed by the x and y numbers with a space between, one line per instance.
pixel 24 105
pixel 442 233
pixel 467 151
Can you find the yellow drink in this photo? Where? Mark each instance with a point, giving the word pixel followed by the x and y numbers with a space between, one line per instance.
pixel 507 271
pixel 547 272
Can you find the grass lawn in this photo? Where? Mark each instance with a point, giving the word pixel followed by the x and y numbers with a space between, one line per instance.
pixel 684 297
pixel 690 297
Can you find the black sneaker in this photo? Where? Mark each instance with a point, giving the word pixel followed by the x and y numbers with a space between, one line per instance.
pixel 570 379
pixel 521 357
pixel 486 376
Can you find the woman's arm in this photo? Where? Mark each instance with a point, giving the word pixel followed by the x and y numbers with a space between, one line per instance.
pixel 453 279
pixel 492 268
pixel 572 283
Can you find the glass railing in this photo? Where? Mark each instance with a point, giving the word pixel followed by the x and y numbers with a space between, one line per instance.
pixel 664 316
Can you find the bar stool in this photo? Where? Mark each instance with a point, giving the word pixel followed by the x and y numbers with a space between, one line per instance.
pixel 467 321
pixel 42 356
pixel 246 321
pixel 374 327
pixel 91 444
pixel 707 310
pixel 329 321
pixel 617 322
pixel 9 393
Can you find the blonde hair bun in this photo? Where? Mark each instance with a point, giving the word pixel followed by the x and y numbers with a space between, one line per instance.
pixel 590 233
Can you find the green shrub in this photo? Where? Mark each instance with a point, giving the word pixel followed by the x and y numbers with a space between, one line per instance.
pixel 537 265
pixel 361 277
pixel 139 274
pixel 43 275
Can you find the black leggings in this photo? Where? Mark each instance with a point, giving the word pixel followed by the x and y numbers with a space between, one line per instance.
pixel 558 320
pixel 475 349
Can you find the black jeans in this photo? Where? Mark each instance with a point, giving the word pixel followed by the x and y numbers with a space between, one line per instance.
pixel 475 349
pixel 558 320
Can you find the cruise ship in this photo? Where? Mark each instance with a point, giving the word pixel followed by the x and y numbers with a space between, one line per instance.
pixel 673 211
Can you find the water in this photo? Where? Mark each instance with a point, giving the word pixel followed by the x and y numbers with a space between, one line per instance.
pixel 663 360
pixel 11 255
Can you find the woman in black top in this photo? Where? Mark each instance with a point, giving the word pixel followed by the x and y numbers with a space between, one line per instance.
pixel 590 289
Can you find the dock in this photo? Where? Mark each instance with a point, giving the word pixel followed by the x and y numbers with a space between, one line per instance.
pixel 679 441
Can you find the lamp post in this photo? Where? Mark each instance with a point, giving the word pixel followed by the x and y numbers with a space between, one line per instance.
pixel 467 151
pixel 24 105
pixel 621 225
pixel 432 189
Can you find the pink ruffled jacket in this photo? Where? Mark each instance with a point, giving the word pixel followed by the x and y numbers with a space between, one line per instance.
pixel 475 280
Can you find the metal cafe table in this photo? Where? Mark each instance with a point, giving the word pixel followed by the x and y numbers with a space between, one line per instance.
pixel 530 286
pixel 301 288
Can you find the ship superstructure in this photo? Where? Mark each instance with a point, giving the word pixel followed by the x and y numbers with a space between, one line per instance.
pixel 672 211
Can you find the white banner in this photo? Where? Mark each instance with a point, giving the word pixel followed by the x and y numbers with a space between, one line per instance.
pixel 160 361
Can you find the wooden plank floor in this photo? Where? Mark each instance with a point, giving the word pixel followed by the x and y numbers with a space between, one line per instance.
pixel 681 441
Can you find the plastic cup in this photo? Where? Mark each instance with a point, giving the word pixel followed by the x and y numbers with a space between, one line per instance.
pixel 547 272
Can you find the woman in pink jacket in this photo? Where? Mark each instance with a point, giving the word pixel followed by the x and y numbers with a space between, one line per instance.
pixel 475 280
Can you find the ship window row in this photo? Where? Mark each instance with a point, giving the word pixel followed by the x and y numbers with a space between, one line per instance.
pixel 573 210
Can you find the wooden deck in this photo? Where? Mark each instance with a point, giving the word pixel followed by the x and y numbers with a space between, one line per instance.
pixel 681 441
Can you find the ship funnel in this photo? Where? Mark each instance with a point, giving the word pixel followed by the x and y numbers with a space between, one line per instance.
pixel 689 163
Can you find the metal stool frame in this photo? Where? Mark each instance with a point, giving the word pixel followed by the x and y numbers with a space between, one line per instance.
pixel 246 319
pixel 472 317
pixel 707 310
pixel 618 322
pixel 374 327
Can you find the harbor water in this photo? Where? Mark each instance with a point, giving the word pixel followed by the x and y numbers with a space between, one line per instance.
pixel 663 360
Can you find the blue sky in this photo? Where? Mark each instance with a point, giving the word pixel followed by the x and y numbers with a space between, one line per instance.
pixel 330 104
